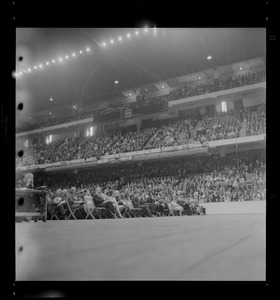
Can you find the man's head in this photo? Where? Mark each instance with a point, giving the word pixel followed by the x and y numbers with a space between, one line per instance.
pixel 73 190
pixel 98 190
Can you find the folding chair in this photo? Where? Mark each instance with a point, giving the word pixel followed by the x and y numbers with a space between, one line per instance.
pixel 90 208
pixel 170 209
pixel 71 211
pixel 52 209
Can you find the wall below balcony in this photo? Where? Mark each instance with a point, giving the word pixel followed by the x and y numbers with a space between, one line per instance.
pixel 246 207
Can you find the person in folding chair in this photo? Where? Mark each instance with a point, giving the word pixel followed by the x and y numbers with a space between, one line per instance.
pixel 111 199
pixel 75 205
pixel 99 197
pixel 56 205
pixel 176 206
pixel 122 206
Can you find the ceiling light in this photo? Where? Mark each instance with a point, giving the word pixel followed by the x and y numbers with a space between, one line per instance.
pixel 87 49
pixel 35 67
pixel 60 59
pixel 66 56
pixel 112 41
pixel 103 44
pixel 128 35
pixel 47 63
pixel 136 33
pixel 73 54
pixel 209 57
pixel 29 70
pixel 116 82
pixel 240 68
pixel 120 38
pixel 81 51
pixel 40 66
pixel 146 29
pixel 53 61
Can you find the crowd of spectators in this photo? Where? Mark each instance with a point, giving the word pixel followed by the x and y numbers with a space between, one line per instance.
pixel 159 134
pixel 159 195
pixel 218 128
pixel 179 168
pixel 180 93
pixel 175 133
pixel 256 121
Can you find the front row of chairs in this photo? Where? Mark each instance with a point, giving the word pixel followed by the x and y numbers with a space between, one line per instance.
pixel 88 209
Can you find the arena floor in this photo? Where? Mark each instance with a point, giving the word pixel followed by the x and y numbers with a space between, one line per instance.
pixel 210 247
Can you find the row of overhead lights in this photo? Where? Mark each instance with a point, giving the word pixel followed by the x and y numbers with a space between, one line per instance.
pixel 52 61
pixel 74 54
pixel 127 36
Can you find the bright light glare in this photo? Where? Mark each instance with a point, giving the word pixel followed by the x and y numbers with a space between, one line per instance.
pixel 103 44
pixel 73 54
pixel 81 51
pixel 53 61
pixel 136 33
pixel 128 35
pixel 209 57
pixel 146 29
pixel 29 70
pixel 120 38
pixel 47 63
pixel 87 49
pixel 112 41
pixel 60 59
pixel 66 56
pixel 20 73
pixel 40 66
pixel 35 67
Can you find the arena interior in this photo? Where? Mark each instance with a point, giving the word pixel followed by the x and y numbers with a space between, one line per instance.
pixel 145 149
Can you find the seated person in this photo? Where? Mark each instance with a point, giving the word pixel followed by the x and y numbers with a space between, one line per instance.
pixel 75 198
pixel 100 198
pixel 113 201
pixel 177 207
pixel 139 202
pixel 72 200
pixel 56 203
pixel 122 205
